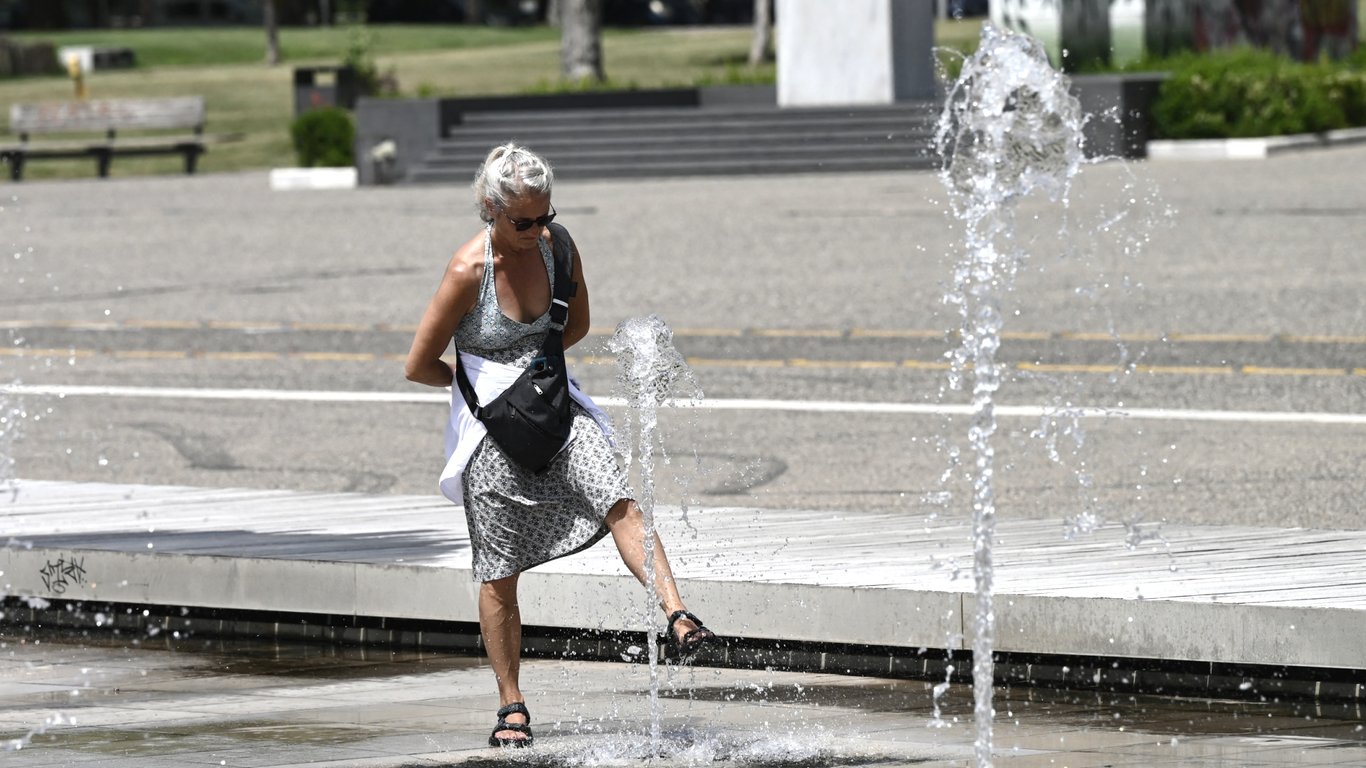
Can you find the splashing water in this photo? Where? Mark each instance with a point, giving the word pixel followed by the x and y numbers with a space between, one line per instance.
pixel 1009 129
pixel 651 373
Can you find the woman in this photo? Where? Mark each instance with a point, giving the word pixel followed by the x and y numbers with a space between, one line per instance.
pixel 494 303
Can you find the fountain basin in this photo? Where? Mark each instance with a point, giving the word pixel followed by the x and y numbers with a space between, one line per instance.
pixel 1246 612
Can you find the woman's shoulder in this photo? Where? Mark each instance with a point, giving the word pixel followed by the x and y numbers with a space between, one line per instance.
pixel 558 230
pixel 467 263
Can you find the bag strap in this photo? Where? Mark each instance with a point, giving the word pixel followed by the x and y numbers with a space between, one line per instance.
pixel 565 289
pixel 462 382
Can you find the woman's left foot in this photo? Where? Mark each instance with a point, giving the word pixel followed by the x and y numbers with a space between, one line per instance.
pixel 687 635
pixel 520 733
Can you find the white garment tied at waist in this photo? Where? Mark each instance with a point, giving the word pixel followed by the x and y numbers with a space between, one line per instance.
pixel 464 431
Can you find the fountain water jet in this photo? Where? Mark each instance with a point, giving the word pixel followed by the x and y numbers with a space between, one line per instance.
pixel 651 373
pixel 1010 128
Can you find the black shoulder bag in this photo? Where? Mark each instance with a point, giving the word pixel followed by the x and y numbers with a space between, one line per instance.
pixel 530 420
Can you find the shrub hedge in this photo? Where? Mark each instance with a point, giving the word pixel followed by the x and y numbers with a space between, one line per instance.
pixel 1245 93
pixel 323 137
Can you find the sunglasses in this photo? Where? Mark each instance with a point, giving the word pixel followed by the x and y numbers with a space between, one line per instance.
pixel 522 225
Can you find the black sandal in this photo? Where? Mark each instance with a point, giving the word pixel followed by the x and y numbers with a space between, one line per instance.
pixel 515 708
pixel 693 640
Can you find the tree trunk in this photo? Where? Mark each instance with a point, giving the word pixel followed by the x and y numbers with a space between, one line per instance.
pixel 324 13
pixel 272 33
pixel 474 11
pixel 581 40
pixel 761 46
pixel 552 13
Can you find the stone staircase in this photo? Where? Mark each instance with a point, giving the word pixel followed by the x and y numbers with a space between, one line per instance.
pixel 692 141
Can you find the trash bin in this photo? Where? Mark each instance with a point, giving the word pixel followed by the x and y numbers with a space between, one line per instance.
pixel 318 87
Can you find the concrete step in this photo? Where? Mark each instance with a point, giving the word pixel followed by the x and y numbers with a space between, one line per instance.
pixel 569 154
pixel 563 152
pixel 629 167
pixel 679 115
pixel 716 125
pixel 554 144
pixel 693 141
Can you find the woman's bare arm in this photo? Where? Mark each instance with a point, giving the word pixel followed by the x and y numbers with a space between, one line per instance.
pixel 577 327
pixel 454 298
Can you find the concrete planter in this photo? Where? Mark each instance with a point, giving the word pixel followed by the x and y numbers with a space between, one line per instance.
pixel 312 178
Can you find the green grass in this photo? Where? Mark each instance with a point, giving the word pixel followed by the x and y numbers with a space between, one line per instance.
pixel 214 46
pixel 245 96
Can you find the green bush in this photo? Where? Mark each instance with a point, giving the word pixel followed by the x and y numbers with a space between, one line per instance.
pixel 1245 93
pixel 323 137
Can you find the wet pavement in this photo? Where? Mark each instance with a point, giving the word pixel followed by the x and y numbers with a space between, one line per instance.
pixel 159 701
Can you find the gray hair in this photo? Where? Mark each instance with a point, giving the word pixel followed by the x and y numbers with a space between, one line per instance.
pixel 510 171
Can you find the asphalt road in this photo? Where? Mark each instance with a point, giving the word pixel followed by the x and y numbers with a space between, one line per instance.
pixel 1219 303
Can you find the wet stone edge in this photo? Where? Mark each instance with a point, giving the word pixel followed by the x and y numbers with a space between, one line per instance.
pixel 153 625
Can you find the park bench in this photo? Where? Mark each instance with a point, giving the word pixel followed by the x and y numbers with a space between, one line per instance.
pixel 108 117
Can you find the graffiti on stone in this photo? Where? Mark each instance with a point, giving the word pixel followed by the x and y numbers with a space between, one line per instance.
pixel 65 572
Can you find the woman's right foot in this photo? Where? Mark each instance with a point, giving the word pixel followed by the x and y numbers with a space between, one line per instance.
pixel 687 635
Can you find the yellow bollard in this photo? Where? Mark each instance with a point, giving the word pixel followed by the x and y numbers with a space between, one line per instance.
pixel 73 68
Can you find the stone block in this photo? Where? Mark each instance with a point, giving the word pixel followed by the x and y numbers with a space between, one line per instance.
pixel 393 135
pixel 854 52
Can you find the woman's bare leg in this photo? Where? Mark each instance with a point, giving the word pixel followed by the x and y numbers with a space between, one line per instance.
pixel 627 524
pixel 500 622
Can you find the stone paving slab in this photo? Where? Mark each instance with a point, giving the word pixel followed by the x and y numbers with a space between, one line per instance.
pixel 1188 593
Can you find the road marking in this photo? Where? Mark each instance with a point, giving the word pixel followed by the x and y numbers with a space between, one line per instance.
pixel 878 333
pixel 1125 337
pixel 334 357
pixel 258 326
pixel 1068 368
pixel 699 332
pixel 1326 339
pixel 738 404
pixel 164 325
pixel 151 354
pixel 801 362
pixel 356 327
pixel 1215 338
pixel 1187 370
pixel 799 333
pixel 697 362
pixel 708 362
pixel 234 325
pixel 1260 370
pixel 39 352
pixel 239 356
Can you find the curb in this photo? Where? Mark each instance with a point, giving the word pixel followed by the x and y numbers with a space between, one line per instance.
pixel 1251 149
pixel 312 178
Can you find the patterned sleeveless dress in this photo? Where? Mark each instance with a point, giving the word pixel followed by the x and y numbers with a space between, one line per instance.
pixel 519 519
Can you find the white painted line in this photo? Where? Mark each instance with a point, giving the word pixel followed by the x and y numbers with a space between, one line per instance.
pixel 195 393
pixel 804 406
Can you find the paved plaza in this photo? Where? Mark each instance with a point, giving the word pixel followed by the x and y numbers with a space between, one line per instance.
pixel 210 381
